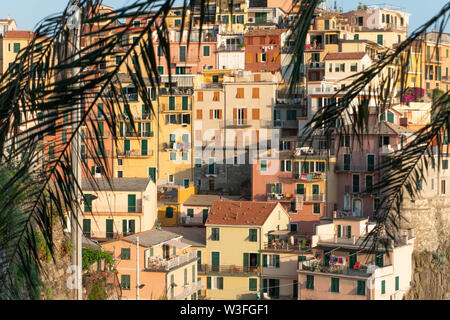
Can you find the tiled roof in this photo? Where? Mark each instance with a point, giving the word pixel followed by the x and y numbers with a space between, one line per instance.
pixel 240 213
pixel 19 35
pixel 206 200
pixel 117 184
pixel 344 56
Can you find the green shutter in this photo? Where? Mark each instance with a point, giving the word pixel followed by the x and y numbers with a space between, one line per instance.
pixel 339 230
pixel 246 260
pixel 397 283
pixel 185 103
pixel 109 228
pixel 144 147
pixel 125 227
pixel 252 284
pixel 309 282
pixel 131 203
pixel 169 212
pixel 265 285
pixel 208 282
pixel 383 286
pixel 132 226
pixel 264 260
pixel 220 283
pixel 349 231
pixel 361 288
pixel 277 261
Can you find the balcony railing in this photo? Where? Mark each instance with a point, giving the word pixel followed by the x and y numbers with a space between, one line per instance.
pixel 230 48
pixel 278 197
pixel 314 198
pixel 176 90
pixel 315 266
pixel 227 269
pixel 235 123
pixel 134 153
pixel 314 47
pixel 161 264
pixel 188 290
pixel 285 246
pixel 142 134
pixel 287 124
pixel 316 176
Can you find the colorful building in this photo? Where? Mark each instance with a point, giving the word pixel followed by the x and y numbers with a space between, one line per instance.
pixel 170 200
pixel 236 231
pixel 155 265
pixel 118 207
pixel 343 270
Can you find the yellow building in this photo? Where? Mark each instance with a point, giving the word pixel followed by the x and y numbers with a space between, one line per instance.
pixel 170 200
pixel 236 232
pixel 232 19
pixel 10 45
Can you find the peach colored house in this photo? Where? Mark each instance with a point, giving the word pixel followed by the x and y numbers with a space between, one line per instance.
pixel 165 270
pixel 344 270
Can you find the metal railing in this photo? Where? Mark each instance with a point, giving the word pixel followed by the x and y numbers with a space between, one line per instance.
pixel 285 246
pixel 313 47
pixel 314 266
pixel 188 290
pixel 235 123
pixel 134 153
pixel 227 269
pixel 316 176
pixel 176 91
pixel 161 264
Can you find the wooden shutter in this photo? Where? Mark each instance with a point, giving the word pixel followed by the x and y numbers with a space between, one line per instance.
pixel 264 260
pixel 216 96
pixel 208 282
pixel 131 225
pixel 255 114
pixel 220 283
pixel 220 114
pixel 199 114
pixel 131 203
pixel 265 285
pixel 124 227
pixel 255 93
pixel 349 232
pixel 234 114
pixel 249 58
pixel 200 96
pixel 246 260
pixel 277 261
pixel 211 114
pixel 245 115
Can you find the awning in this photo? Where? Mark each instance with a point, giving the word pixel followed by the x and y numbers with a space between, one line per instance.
pixel 178 244
pixel 280 232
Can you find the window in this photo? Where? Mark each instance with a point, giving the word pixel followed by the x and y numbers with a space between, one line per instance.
pixel 206 51
pixel 369 183
pixel 361 291
pixel 171 178
pixel 160 69
pixel 182 52
pixel 190 213
pixel 263 165
pixel 380 39
pixel 310 282
pixel 144 147
pixel 379 260
pixel 252 284
pixel 211 166
pixel 370 162
pixel 173 156
pixel 169 212
pixel 125 282
pixel 16 47
pixel 125 254
pixel 300 188
pixel 347 160
pixel 87 227
pixel 334 284
pixel 255 93
pixel 87 203
pixel 383 286
pixel 445 164
pixel 240 93
pixel 215 235
pixel 271 260
pixel 119 174
pixel 354 67
pixel 253 235
pixel 356 37
pixel 184 156
pixel 131 203
pixel 64 136
pixel 397 283
pixel 316 208
pixel 345 141
pixel 355 183
pixel 442 186
pixel 214 283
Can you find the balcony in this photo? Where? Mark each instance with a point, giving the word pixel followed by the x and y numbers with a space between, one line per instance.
pixel 210 86
pixel 174 108
pixel 231 48
pixel 316 65
pixel 352 241
pixel 227 269
pixel 188 290
pixel 144 117
pixel 162 265
pixel 236 123
pixel 192 221
pixel 279 197
pixel 134 154
pixel 176 91
pixel 315 266
pixel 310 177
pixel 314 198
pixel 314 47
pixel 143 134
pixel 285 124
pixel 287 247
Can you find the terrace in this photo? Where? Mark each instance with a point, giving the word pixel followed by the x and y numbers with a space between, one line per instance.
pixel 227 269
pixel 163 265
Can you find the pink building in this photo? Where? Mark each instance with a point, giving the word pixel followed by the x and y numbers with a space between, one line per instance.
pixel 344 270
pixel 357 165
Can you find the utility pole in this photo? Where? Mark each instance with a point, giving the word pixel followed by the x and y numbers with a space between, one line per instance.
pixel 137 268
pixel 74 25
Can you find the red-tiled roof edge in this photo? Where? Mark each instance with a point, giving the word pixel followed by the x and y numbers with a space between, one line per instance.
pixel 344 55
pixel 18 34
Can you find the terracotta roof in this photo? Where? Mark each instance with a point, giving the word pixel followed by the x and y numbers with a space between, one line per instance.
pixel 265 32
pixel 344 56
pixel 240 213
pixel 19 35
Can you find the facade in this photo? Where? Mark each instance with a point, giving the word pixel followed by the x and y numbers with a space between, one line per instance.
pixel 170 200
pixel 11 42
pixel 342 270
pixel 236 231
pixel 7 25
pixel 166 270
pixel 126 207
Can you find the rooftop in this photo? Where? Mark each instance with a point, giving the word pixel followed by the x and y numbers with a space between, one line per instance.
pixel 118 184
pixel 195 236
pixel 152 237
pixel 344 56
pixel 19 35
pixel 240 213
pixel 206 200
